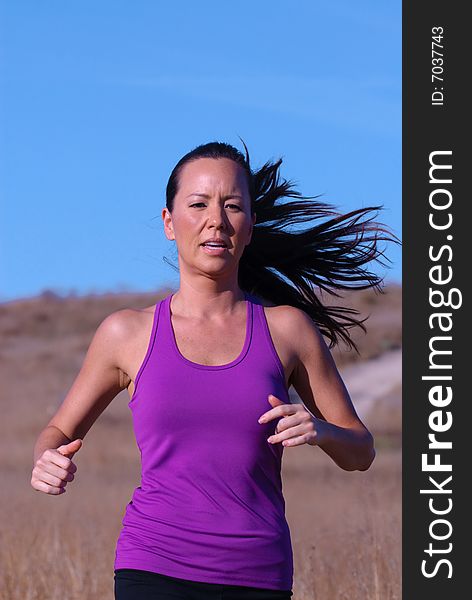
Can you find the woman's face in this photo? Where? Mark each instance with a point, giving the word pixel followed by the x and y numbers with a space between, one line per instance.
pixel 212 201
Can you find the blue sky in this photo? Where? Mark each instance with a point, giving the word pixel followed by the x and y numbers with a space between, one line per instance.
pixel 99 100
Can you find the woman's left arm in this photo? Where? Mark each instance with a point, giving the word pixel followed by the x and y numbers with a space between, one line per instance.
pixel 328 418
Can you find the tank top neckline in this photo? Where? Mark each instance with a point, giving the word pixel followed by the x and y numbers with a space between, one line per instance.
pixel 233 363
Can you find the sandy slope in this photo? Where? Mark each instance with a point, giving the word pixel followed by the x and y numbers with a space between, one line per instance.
pixel 374 386
pixel 373 381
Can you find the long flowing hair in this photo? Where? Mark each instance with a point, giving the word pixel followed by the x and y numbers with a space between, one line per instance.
pixel 286 267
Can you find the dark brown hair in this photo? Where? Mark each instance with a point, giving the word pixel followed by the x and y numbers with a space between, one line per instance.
pixel 283 266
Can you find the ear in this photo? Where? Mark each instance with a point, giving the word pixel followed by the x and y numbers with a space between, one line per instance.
pixel 167 219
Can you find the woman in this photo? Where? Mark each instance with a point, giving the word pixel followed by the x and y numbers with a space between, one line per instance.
pixel 208 370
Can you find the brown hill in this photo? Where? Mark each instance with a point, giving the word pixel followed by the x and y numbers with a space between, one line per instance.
pixel 50 318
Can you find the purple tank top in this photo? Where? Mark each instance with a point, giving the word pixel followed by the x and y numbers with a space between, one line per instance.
pixel 210 506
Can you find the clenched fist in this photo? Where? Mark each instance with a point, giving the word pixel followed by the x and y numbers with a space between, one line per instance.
pixel 54 468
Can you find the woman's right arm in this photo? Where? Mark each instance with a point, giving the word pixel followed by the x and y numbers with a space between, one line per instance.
pixel 100 379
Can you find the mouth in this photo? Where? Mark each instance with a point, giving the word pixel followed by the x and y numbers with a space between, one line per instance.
pixel 215 249
pixel 215 243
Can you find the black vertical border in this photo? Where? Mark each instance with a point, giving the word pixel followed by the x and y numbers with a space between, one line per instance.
pixel 426 129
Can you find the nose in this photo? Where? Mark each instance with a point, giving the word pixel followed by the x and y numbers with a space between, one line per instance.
pixel 217 217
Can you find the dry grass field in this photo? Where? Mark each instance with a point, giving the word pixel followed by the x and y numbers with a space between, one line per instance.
pixel 346 527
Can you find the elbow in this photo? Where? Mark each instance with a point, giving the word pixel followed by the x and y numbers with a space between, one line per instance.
pixel 363 458
pixel 366 465
pixel 368 454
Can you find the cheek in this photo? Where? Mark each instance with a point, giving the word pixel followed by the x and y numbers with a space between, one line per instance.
pixel 184 224
pixel 241 224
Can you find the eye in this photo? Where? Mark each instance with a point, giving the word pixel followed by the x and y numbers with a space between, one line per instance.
pixel 203 204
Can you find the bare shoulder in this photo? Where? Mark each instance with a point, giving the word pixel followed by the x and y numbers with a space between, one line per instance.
pixel 123 333
pixel 283 315
pixel 288 313
pixel 126 320
pixel 294 326
pixel 116 327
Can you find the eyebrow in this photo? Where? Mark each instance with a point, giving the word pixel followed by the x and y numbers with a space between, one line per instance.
pixel 201 195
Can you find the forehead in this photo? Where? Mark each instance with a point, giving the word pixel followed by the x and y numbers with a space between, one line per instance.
pixel 205 173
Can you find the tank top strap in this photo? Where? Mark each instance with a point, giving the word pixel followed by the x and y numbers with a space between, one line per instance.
pixel 165 332
pixel 263 341
pixel 151 343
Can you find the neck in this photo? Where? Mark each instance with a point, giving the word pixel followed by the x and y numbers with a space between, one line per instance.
pixel 205 303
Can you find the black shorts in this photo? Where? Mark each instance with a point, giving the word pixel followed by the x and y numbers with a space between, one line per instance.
pixel 135 584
